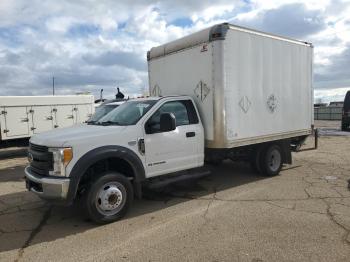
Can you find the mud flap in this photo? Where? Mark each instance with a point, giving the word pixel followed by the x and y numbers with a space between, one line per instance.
pixel 286 151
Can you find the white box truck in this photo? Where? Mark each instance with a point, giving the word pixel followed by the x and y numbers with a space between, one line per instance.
pixel 24 116
pixel 223 93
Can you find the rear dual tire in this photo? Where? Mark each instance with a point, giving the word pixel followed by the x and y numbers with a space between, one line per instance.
pixel 267 160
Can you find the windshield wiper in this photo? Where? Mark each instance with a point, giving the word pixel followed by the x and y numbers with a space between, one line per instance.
pixel 107 123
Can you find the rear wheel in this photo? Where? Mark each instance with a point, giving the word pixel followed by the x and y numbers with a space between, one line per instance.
pixel 271 160
pixel 109 198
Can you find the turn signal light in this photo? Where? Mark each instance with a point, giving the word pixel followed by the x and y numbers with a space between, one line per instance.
pixel 67 155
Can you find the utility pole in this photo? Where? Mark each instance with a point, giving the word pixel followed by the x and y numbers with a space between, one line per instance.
pixel 101 95
pixel 53 85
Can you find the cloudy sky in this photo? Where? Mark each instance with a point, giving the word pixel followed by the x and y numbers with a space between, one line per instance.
pixel 89 44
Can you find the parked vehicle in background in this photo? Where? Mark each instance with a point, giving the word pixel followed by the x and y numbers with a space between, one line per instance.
pixel 345 121
pixel 104 109
pixel 225 92
pixel 24 116
pixel 336 104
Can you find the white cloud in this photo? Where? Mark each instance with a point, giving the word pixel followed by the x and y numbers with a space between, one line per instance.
pixel 212 12
pixel 272 4
pixel 326 96
pixel 60 24
pixel 93 44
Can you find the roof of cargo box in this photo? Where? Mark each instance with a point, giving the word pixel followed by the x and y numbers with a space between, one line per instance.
pixel 216 32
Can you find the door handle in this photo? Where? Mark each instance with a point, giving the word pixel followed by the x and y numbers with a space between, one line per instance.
pixel 141 146
pixel 190 134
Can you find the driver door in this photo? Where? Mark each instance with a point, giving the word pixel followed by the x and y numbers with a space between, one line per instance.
pixel 167 152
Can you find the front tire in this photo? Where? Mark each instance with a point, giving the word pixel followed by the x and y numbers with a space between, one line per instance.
pixel 271 160
pixel 109 198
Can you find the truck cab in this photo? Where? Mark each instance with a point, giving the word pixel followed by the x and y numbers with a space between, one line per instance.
pixel 106 162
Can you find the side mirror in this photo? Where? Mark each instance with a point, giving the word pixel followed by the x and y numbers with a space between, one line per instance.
pixel 167 122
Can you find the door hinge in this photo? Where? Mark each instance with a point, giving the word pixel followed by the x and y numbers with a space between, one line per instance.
pixel 49 118
pixel 6 131
pixel 32 128
pixel 54 110
pixel 3 112
pixel 31 111
pixel 141 146
pixel 55 126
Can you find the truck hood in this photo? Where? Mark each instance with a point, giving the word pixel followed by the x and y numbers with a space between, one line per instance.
pixel 67 136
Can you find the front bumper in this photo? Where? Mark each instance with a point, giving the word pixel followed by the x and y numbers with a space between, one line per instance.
pixel 55 189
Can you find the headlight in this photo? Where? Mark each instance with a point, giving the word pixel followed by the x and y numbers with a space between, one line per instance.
pixel 61 158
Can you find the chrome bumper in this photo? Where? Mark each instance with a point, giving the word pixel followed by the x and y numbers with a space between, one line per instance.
pixel 46 187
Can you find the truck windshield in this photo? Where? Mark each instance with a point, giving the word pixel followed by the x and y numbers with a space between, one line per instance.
pixel 128 113
pixel 101 111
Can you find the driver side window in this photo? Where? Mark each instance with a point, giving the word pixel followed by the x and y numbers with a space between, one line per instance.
pixel 178 108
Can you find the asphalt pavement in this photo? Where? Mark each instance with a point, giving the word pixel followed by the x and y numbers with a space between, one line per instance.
pixel 232 215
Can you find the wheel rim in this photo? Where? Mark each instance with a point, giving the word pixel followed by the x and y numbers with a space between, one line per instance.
pixel 110 198
pixel 274 160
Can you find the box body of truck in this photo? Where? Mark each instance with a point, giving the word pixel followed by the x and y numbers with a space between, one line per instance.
pixel 250 87
pixel 24 116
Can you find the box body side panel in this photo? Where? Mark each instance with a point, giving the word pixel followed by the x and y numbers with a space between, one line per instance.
pixel 268 88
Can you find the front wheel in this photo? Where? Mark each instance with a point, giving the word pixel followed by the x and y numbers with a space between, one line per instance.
pixel 271 160
pixel 109 198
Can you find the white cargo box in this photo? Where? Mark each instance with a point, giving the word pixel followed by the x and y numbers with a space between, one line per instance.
pixel 250 87
pixel 23 116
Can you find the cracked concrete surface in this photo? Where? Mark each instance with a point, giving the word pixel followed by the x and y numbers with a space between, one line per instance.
pixel 232 215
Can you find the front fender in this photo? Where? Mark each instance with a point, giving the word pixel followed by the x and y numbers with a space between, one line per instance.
pixel 100 153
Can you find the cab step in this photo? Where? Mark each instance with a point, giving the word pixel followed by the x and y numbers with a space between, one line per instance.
pixel 177 177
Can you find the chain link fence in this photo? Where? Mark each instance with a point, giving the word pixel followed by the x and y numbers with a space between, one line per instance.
pixel 328 113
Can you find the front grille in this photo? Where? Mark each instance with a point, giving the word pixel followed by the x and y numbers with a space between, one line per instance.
pixel 42 160
pixel 38 148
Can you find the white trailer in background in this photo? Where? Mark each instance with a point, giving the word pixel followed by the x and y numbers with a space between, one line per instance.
pixel 24 116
